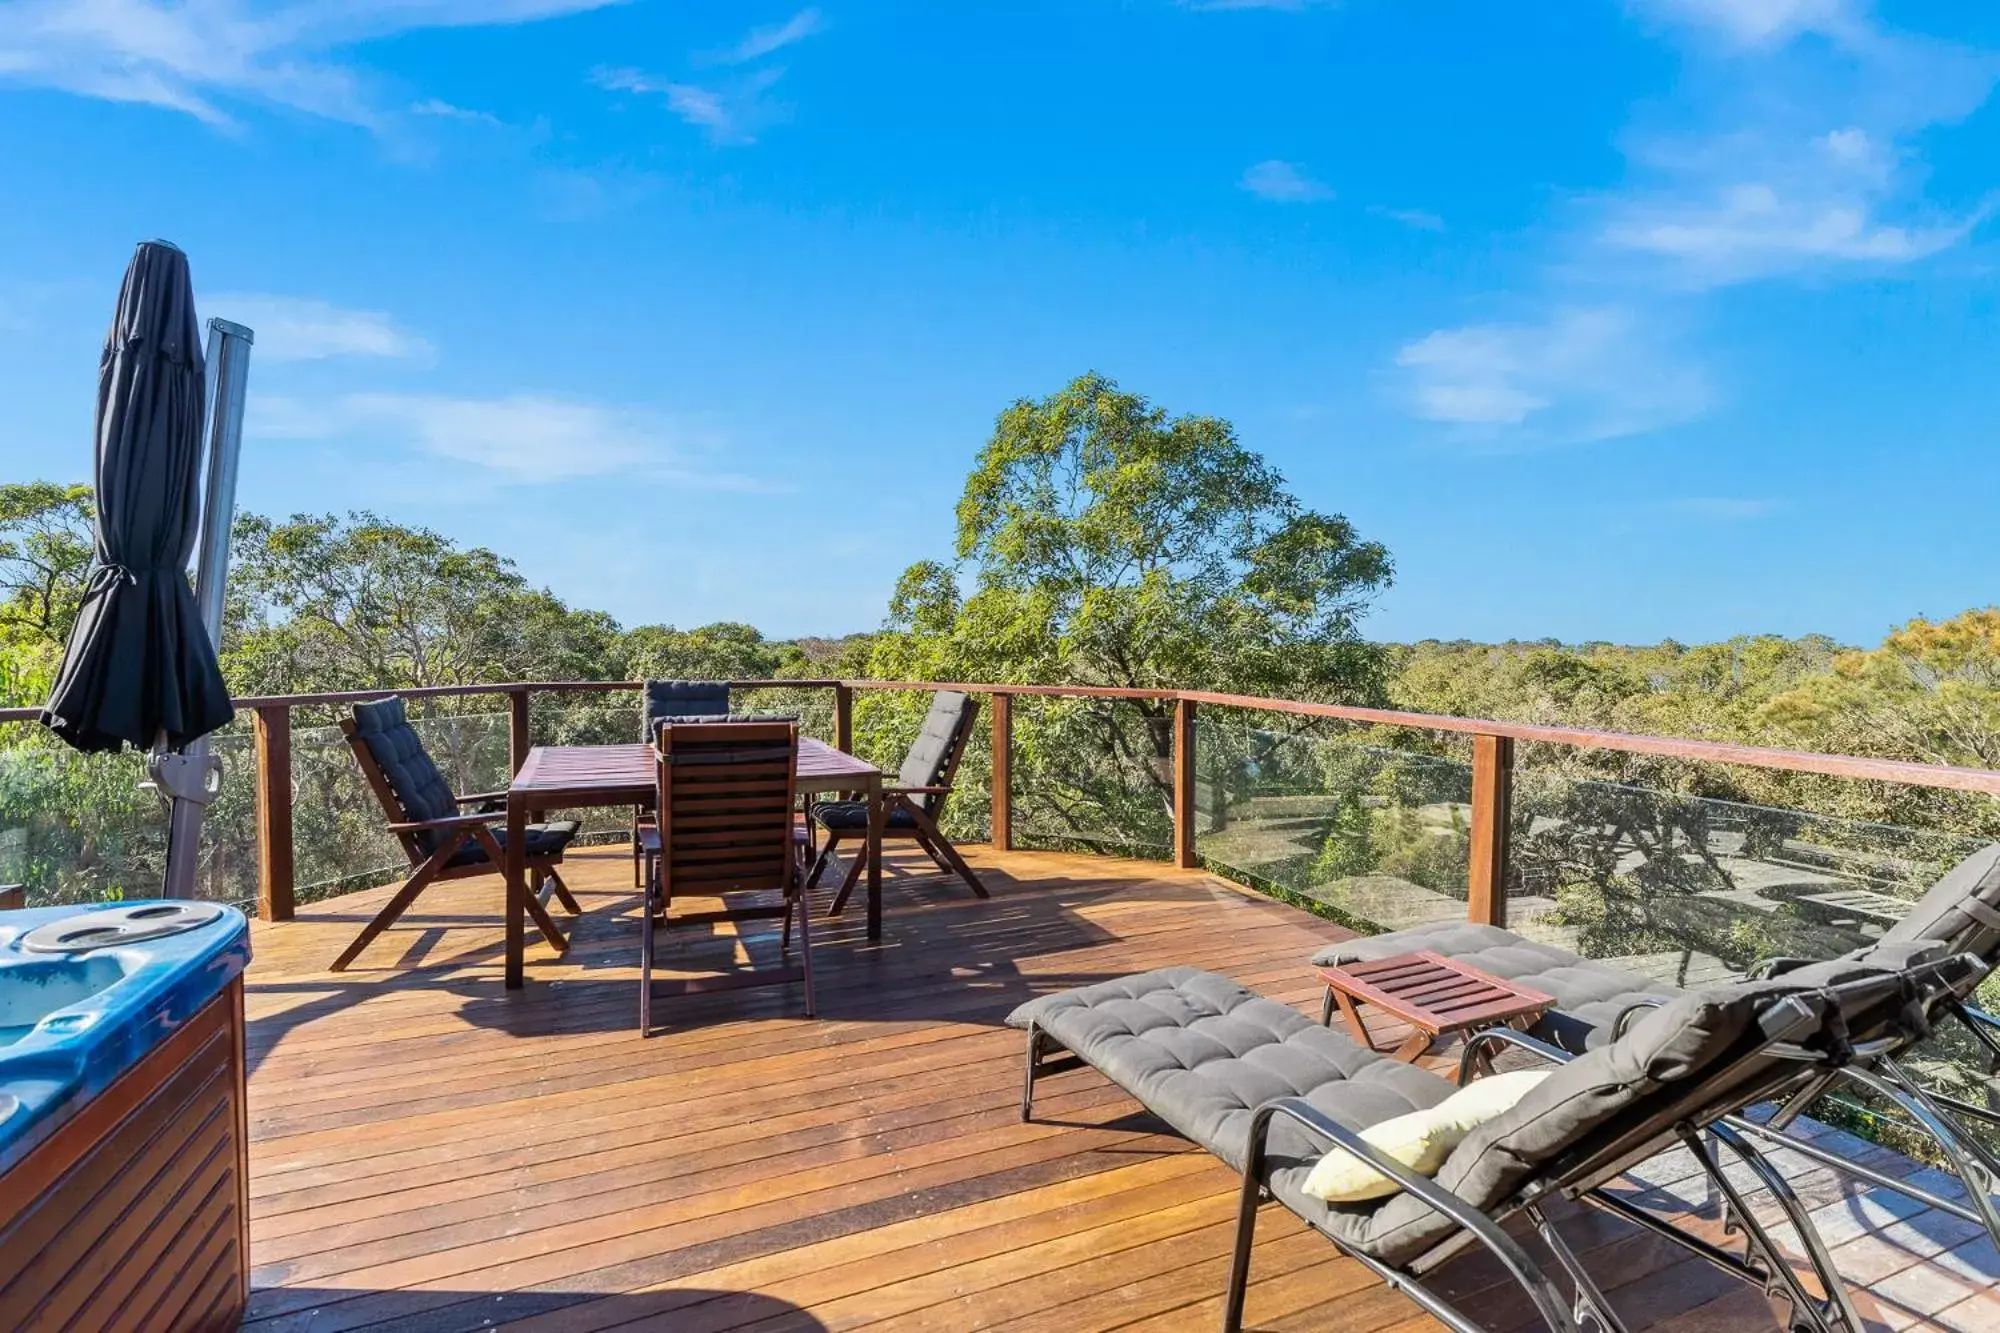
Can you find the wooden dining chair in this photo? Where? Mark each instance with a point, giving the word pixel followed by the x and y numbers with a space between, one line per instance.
pixel 659 700
pixel 724 795
pixel 441 839
pixel 913 806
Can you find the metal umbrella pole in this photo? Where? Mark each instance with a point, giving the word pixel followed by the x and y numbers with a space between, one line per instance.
pixel 192 777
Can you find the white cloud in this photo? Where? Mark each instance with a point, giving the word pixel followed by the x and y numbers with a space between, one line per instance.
pixel 1755 22
pixel 733 113
pixel 441 110
pixel 1799 153
pixel 291 328
pixel 1283 183
pixel 1416 219
pixel 516 438
pixel 761 42
pixel 1584 375
pixel 199 56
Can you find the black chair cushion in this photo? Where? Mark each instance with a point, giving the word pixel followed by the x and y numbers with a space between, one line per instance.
pixel 852 817
pixel 544 841
pixel 399 752
pixel 941 735
pixel 682 700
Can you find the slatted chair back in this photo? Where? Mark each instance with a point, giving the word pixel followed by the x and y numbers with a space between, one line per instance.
pixel 665 699
pixel 400 772
pixel 725 794
pixel 932 759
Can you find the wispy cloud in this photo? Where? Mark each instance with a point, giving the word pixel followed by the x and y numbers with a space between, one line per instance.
pixel 439 109
pixel 735 112
pixel 1795 153
pixel 1414 218
pixel 1283 183
pixel 1582 376
pixel 515 438
pixel 1800 154
pixel 202 57
pixel 772 38
pixel 291 328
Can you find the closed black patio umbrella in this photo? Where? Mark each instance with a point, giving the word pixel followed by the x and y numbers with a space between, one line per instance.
pixel 139 666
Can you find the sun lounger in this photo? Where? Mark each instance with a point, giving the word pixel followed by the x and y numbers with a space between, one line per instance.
pixel 1268 1091
pixel 1960 913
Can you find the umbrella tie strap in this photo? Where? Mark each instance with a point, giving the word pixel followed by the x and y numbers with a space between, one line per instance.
pixel 107 574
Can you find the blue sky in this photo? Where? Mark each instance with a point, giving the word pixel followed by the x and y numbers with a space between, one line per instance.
pixel 1670 317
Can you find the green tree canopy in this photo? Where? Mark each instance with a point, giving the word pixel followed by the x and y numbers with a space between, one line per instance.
pixel 1108 543
pixel 46 541
pixel 325 603
pixel 722 651
pixel 1111 544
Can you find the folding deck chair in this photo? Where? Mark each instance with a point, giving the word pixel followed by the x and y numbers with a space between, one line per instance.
pixel 441 839
pixel 914 804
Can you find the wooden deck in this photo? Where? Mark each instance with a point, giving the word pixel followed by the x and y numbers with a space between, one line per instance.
pixel 431 1152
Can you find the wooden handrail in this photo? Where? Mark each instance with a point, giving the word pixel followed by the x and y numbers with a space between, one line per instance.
pixel 1493 743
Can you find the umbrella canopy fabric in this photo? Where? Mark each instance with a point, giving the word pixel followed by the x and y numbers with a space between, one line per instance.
pixel 139 662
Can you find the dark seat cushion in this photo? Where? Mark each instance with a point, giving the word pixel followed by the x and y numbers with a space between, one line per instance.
pixel 545 841
pixel 384 726
pixel 1589 995
pixel 852 817
pixel 683 699
pixel 1200 1052
pixel 938 742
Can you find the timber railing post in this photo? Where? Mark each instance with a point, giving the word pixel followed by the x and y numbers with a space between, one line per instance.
pixel 1002 837
pixel 843 718
pixel 1492 794
pixel 271 735
pixel 517 730
pixel 1184 853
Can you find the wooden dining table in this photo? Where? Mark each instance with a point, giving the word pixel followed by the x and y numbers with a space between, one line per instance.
pixel 568 777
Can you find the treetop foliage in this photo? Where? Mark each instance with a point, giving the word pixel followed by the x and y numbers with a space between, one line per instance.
pixel 1109 543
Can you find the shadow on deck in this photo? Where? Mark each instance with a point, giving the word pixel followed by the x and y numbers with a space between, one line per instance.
pixel 431 1152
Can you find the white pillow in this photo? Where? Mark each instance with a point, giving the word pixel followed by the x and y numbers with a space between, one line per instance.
pixel 1421 1140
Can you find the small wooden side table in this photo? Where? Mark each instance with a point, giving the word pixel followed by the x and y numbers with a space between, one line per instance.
pixel 1435 995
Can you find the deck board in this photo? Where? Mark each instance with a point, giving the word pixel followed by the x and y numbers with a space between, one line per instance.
pixel 431 1152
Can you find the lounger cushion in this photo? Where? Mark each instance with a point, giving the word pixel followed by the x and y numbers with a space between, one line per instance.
pixel 1200 1052
pixel 1589 995
pixel 1420 1140
pixel 1962 909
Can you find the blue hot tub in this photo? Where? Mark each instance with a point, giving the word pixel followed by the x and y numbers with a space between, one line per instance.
pixel 122 1122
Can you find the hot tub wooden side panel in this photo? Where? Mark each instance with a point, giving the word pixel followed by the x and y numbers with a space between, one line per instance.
pixel 132 1215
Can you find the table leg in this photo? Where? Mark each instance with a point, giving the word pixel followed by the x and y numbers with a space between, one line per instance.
pixel 517 891
pixel 1352 1016
pixel 875 859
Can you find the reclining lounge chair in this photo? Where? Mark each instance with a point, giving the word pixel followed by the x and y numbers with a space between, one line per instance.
pixel 1269 1092
pixel 1960 913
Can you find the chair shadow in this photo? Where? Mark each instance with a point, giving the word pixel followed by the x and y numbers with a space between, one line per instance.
pixel 455 1311
pixel 944 956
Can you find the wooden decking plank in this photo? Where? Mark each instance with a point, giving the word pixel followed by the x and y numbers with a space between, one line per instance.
pixel 432 1153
